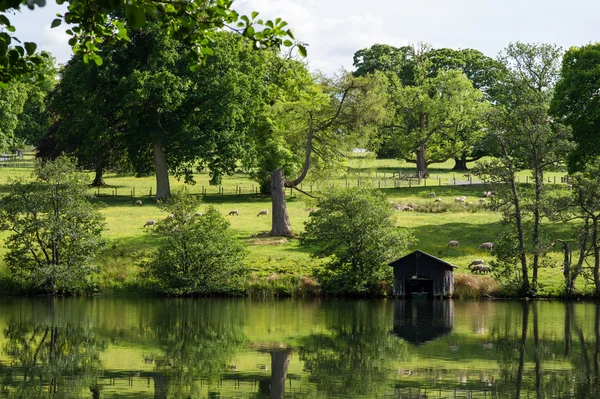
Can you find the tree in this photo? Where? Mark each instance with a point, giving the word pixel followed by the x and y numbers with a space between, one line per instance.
pixel 145 103
pixel 484 73
pixel 576 101
pixel 198 255
pixel 321 121
pixel 193 24
pixel 54 231
pixel 431 115
pixel 522 136
pixel 355 229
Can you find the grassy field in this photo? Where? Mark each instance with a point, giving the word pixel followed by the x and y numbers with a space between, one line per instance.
pixel 129 244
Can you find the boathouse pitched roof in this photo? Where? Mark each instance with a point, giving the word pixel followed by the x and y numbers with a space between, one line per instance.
pixel 407 259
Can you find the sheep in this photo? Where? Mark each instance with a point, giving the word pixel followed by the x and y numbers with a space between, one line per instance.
pixel 486 245
pixel 453 243
pixel 150 222
pixel 459 199
pixel 138 202
pixel 234 213
pixel 477 262
pixel 480 268
pixel 198 214
pixel 431 194
pixel 470 203
pixel 408 209
pixel 438 200
pixel 263 212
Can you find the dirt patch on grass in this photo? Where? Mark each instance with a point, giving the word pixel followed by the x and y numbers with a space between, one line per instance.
pixel 267 241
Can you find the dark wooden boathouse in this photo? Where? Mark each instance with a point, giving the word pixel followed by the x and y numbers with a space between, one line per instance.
pixel 419 272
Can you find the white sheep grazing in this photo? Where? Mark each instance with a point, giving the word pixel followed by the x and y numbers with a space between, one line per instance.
pixel 150 222
pixel 198 214
pixel 453 243
pixel 477 262
pixel 234 212
pixel 459 199
pixel 438 200
pixel 263 212
pixel 463 197
pixel 486 245
pixel 138 202
pixel 431 194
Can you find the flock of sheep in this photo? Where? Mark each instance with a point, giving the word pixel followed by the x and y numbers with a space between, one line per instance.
pixel 233 212
pixel 478 265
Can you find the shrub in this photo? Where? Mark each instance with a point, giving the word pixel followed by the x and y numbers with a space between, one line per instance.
pixel 55 232
pixel 355 230
pixel 198 255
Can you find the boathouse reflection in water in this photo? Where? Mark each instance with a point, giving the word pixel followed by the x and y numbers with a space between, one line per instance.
pixel 420 320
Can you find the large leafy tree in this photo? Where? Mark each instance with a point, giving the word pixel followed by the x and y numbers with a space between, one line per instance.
pixel 433 115
pixel 576 101
pixel 169 119
pixel 318 122
pixel 193 24
pixel 355 230
pixel 414 71
pixel 54 231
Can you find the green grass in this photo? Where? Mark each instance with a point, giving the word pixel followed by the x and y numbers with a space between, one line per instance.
pixel 129 243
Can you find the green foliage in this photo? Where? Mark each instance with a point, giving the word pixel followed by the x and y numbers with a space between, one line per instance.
pixel 54 231
pixel 576 102
pixel 194 24
pixel 197 255
pixel 356 229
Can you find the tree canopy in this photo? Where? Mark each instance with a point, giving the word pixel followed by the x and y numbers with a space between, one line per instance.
pixel 193 24
pixel 576 101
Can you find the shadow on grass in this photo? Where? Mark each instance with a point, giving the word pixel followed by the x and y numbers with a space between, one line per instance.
pixel 433 238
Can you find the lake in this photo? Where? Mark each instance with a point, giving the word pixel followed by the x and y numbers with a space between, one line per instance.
pixel 324 348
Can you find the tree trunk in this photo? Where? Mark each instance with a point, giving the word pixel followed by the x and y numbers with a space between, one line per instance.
pixel 279 367
pixel 163 188
pixel 281 226
pixel 596 256
pixel 538 355
pixel 99 178
pixel 520 236
pixel 460 164
pixel 536 242
pixel 422 161
pixel 568 321
pixel 522 349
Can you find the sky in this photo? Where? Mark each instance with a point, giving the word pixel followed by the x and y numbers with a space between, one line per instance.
pixel 335 29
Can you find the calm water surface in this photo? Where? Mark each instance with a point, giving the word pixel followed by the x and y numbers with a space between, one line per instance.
pixel 239 348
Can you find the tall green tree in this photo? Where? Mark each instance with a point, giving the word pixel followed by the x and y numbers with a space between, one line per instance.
pixel 522 136
pixel 576 101
pixel 54 232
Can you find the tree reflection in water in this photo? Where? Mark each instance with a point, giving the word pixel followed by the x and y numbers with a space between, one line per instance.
pixel 53 360
pixel 356 357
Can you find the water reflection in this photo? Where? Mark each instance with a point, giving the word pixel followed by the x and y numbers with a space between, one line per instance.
pixel 420 321
pixel 73 348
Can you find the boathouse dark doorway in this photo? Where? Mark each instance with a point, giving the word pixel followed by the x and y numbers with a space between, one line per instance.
pixel 419 286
